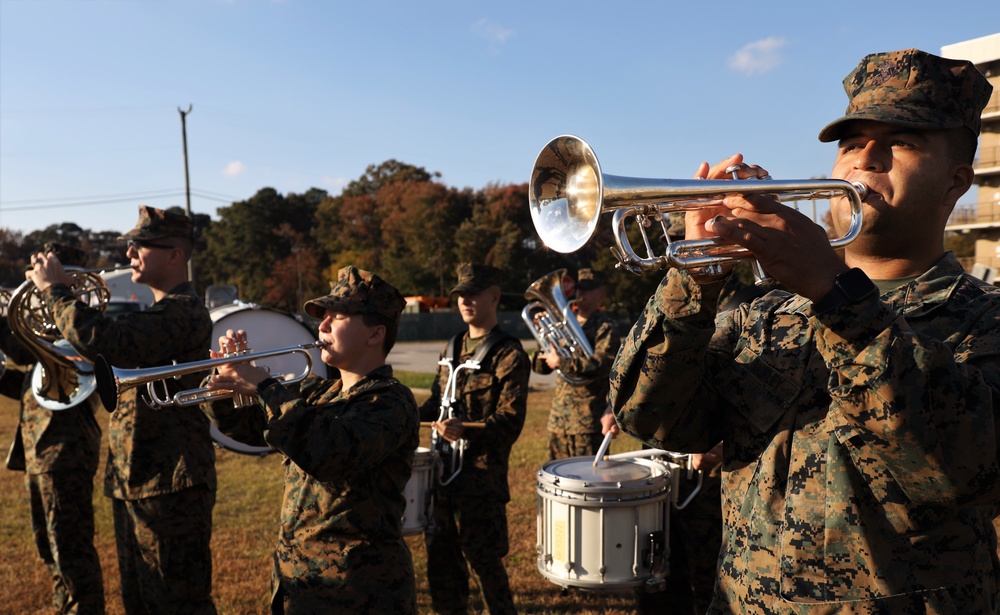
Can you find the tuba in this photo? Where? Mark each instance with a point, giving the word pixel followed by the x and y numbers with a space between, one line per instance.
pixel 61 378
pixel 551 320
pixel 568 193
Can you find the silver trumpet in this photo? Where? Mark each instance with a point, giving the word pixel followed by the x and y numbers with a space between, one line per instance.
pixel 568 193
pixel 113 381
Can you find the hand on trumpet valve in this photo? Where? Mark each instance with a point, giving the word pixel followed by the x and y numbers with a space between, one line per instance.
pixel 449 429
pixel 789 246
pixel 239 377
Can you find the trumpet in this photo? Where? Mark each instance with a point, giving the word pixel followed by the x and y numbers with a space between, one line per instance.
pixel 113 381
pixel 568 193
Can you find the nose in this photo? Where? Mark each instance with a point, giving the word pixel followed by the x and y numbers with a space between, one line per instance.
pixel 324 325
pixel 870 158
pixel 131 251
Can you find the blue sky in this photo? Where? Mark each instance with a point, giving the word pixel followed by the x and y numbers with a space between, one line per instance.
pixel 294 94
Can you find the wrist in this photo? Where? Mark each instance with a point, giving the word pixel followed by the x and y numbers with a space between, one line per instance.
pixel 850 287
pixel 265 383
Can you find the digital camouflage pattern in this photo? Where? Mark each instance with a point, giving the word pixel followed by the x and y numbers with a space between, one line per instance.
pixel 577 408
pixel 59 453
pixel 915 89
pixel 156 223
pixel 359 292
pixel 470 515
pixel 860 470
pixel 152 453
pixel 348 457
pixel 154 529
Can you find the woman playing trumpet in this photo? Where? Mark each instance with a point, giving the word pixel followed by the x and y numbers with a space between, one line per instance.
pixel 349 445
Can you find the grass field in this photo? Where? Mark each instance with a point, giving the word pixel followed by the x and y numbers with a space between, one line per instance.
pixel 245 527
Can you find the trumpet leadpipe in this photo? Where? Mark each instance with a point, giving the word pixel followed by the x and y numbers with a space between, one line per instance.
pixel 113 381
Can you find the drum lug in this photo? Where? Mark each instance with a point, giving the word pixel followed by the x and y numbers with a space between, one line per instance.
pixel 654 553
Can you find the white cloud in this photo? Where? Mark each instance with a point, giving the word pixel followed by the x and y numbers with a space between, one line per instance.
pixel 335 182
pixel 496 35
pixel 758 57
pixel 234 169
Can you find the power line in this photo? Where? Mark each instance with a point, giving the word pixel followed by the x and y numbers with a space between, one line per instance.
pixel 90 201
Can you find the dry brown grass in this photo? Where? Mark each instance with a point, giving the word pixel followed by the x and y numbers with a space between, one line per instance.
pixel 245 522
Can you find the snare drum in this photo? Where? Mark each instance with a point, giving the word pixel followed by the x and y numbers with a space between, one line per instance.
pixel 419 500
pixel 267 329
pixel 603 527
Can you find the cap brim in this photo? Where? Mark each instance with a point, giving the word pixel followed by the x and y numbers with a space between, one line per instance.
pixel 834 131
pixel 467 288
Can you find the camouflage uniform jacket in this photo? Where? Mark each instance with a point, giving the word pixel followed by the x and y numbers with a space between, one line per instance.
pixel 50 441
pixel 577 408
pixel 497 394
pixel 150 452
pixel 860 465
pixel 348 457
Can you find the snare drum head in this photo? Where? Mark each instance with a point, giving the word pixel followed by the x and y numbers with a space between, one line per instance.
pixel 611 471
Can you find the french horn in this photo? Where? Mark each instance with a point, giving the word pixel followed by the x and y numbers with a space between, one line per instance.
pixel 61 378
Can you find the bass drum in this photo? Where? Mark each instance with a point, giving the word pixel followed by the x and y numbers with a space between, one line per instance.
pixel 266 329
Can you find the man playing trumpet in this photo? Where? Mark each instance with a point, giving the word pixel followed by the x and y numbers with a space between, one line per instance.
pixel 861 470
pixel 349 445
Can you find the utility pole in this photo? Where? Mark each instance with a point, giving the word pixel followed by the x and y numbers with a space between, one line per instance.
pixel 187 183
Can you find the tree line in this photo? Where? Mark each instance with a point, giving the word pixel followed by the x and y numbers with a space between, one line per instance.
pixel 397 220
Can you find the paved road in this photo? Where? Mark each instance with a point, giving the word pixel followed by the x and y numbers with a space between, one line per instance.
pixel 423 357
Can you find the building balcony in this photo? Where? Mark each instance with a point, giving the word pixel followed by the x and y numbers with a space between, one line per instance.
pixel 974 216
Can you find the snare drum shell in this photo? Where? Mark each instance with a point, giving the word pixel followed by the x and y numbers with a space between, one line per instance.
pixel 419 500
pixel 594 534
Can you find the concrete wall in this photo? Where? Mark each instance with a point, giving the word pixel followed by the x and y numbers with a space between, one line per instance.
pixel 443 325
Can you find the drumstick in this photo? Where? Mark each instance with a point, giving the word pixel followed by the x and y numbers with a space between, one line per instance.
pixel 604 447
pixel 479 425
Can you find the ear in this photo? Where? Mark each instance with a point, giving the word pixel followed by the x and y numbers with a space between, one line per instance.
pixel 376 336
pixel 962 178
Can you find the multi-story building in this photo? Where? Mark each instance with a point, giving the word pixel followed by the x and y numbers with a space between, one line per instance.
pixel 981 217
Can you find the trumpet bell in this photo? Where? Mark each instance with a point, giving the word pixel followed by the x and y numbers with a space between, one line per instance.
pixel 566 193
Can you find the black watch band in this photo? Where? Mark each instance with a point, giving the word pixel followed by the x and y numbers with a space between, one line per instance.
pixel 266 382
pixel 853 286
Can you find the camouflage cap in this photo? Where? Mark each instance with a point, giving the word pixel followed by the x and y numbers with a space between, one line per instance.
pixel 67 254
pixel 359 292
pixel 159 224
pixel 589 279
pixel 475 278
pixel 915 89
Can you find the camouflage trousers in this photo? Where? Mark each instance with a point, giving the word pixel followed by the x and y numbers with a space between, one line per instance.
pixel 563 445
pixel 695 541
pixel 62 522
pixel 164 553
pixel 468 528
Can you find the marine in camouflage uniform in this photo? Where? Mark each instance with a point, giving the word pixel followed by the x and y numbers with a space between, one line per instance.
pixel 349 452
pixel 59 452
pixel 574 426
pixel 860 467
pixel 160 472
pixel 469 521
